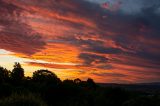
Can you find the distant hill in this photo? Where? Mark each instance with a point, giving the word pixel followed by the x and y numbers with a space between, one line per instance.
pixel 150 87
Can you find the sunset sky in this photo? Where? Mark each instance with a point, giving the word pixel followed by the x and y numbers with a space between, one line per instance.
pixel 114 41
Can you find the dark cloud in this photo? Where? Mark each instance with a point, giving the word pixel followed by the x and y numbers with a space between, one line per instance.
pixel 90 45
pixel 105 50
pixel 110 74
pixel 15 35
pixel 8 9
pixel 91 59
pixel 133 34
pixel 136 33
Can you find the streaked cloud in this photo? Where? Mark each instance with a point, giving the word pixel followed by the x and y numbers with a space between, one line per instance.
pixel 118 43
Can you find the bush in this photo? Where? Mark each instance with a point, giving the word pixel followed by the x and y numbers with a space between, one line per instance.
pixel 5 90
pixel 144 101
pixel 22 100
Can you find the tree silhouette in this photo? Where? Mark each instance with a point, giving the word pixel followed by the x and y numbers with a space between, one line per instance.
pixel 17 73
pixel 4 74
pixel 45 76
pixel 91 83
pixel 77 81
pixel 68 82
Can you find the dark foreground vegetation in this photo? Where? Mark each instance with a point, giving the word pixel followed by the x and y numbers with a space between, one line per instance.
pixel 44 88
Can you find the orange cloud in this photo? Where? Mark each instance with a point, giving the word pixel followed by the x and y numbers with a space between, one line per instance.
pixel 74 35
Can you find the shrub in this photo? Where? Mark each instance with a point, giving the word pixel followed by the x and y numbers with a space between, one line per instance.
pixel 22 100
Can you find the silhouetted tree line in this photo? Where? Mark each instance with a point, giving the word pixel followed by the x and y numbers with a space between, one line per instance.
pixel 44 88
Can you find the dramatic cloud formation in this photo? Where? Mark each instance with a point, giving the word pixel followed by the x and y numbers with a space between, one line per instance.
pixel 16 35
pixel 109 40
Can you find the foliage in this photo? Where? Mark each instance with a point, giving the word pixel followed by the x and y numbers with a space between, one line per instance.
pixel 22 100
pixel 45 76
pixel 4 74
pixel 17 73
pixel 144 101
